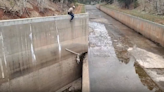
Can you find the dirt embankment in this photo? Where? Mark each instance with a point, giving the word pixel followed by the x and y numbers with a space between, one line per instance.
pixel 32 9
pixel 152 10
pixel 78 9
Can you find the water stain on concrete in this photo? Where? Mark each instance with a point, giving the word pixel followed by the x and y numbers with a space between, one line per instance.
pixel 121 46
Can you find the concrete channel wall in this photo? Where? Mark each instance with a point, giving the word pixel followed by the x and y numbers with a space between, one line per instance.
pixel 151 30
pixel 85 76
pixel 33 56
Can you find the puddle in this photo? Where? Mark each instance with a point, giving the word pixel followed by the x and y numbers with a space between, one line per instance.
pixel 145 79
pixel 107 73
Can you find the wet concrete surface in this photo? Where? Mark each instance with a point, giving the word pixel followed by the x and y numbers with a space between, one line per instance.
pixel 75 86
pixel 112 67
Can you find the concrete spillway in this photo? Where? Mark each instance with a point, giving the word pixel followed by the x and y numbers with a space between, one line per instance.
pixel 120 59
pixel 33 56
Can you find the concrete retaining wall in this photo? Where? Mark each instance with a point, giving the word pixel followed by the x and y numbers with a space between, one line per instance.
pixel 33 56
pixel 151 30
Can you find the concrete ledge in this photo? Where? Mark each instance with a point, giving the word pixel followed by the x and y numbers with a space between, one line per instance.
pixel 85 76
pixel 39 19
pixel 151 30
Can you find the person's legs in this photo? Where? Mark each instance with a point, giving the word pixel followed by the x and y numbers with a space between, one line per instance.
pixel 72 15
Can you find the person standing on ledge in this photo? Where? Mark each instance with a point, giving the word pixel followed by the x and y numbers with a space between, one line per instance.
pixel 70 12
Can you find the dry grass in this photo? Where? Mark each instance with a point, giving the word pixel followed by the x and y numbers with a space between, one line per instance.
pixel 152 17
pixel 83 9
pixel 80 8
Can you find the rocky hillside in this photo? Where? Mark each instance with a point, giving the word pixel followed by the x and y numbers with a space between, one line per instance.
pixel 149 6
pixel 152 6
pixel 12 9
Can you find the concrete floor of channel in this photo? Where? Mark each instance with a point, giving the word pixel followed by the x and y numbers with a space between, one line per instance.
pixel 120 59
